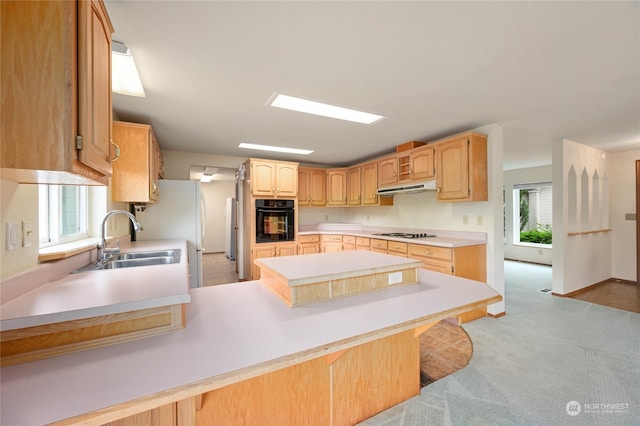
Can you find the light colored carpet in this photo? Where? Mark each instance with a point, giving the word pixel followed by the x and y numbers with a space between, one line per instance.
pixel 218 269
pixel 530 365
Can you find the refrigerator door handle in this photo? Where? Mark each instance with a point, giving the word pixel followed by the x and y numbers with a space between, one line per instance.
pixel 203 216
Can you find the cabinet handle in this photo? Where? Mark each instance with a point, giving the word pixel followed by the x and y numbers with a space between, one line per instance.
pixel 428 253
pixel 439 189
pixel 114 159
pixel 410 171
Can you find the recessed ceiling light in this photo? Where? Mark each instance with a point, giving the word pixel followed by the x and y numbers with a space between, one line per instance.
pixel 124 74
pixel 275 148
pixel 325 110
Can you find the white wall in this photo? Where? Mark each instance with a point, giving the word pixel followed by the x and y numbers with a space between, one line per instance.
pixel 578 207
pixel 521 252
pixel 177 164
pixel 622 182
pixel 215 195
pixel 424 212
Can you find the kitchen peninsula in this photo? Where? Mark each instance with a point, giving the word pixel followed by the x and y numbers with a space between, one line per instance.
pixel 241 350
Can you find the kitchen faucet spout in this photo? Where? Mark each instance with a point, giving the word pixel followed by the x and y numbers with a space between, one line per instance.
pixel 103 251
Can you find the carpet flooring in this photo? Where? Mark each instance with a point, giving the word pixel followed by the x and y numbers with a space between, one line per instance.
pixel 549 361
pixel 218 269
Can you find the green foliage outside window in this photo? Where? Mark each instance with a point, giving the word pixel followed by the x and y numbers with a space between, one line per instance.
pixel 541 235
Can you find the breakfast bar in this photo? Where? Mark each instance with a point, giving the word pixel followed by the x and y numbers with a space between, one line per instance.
pixel 245 356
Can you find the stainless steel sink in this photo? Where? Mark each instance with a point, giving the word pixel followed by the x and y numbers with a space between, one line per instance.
pixel 147 254
pixel 135 259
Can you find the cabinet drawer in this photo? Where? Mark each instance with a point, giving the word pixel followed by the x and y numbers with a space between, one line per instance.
pixel 378 244
pixel 331 238
pixel 309 238
pixel 348 239
pixel 433 252
pixel 362 241
pixel 397 247
pixel 441 266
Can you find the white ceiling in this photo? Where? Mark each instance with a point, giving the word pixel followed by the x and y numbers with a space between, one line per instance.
pixel 542 70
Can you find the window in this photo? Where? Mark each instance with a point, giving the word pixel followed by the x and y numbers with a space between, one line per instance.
pixel 63 211
pixel 532 214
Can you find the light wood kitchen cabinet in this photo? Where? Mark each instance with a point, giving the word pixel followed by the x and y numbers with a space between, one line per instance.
pixel 362 243
pixel 260 251
pixel 56 92
pixel 330 243
pixel 273 178
pixel 137 169
pixel 337 187
pixel 388 170
pixel 309 244
pixel 312 186
pixel 467 262
pixel 397 248
pixel 378 245
pixel 354 186
pixel 461 168
pixel 422 163
pixel 348 242
pixel 369 187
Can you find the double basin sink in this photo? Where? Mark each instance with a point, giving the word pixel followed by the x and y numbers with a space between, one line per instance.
pixel 134 259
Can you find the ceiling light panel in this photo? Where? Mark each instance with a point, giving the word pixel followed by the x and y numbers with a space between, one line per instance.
pixel 325 110
pixel 275 149
pixel 124 73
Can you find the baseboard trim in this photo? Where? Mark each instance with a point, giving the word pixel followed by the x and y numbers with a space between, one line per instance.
pixel 592 286
pixel 498 315
pixel 527 261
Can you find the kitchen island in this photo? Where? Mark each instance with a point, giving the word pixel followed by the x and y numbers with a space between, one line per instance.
pixel 240 340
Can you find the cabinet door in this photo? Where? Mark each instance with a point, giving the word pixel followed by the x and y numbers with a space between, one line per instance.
pixel 260 252
pixel 132 172
pixel 318 187
pixel 154 156
pixel 354 186
pixel 286 250
pixel 263 178
pixel 388 171
pixel 452 164
pixel 337 187
pixel 286 179
pixel 422 163
pixel 304 196
pixel 309 248
pixel 94 85
pixel 370 184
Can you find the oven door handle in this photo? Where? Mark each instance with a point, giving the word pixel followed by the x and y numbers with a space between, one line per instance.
pixel 272 211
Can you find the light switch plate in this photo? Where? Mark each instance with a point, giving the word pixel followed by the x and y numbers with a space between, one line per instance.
pixel 27 233
pixel 12 229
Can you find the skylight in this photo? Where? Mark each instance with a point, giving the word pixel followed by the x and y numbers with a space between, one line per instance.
pixel 275 148
pixel 325 110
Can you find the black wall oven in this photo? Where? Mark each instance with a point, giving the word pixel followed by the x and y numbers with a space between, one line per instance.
pixel 274 220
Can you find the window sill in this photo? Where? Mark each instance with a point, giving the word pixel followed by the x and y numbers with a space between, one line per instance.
pixel 65 250
pixel 534 245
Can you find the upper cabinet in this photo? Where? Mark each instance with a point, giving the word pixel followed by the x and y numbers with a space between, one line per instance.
pixel 388 170
pixel 312 186
pixel 337 187
pixel 461 168
pixel 273 178
pixel 56 92
pixel 422 163
pixel 354 186
pixel 139 165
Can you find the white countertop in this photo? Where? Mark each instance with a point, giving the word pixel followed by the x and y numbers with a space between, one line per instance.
pixel 443 238
pixel 234 332
pixel 95 293
pixel 311 268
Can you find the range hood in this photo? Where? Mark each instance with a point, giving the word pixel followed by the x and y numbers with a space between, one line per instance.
pixel 409 188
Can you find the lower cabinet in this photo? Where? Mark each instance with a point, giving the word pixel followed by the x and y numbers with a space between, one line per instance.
pixel 180 413
pixel 348 242
pixel 330 243
pixel 261 251
pixel 397 248
pixel 362 243
pixel 467 262
pixel 379 246
pixel 341 388
pixel 309 244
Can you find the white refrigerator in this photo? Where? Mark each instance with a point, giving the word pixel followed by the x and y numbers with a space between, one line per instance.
pixel 179 214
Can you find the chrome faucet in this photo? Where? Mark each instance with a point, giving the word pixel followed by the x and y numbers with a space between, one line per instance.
pixel 103 252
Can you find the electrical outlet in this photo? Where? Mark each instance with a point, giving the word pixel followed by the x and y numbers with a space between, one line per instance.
pixel 478 220
pixel 465 219
pixel 27 233
pixel 12 229
pixel 395 277
pixel 326 217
